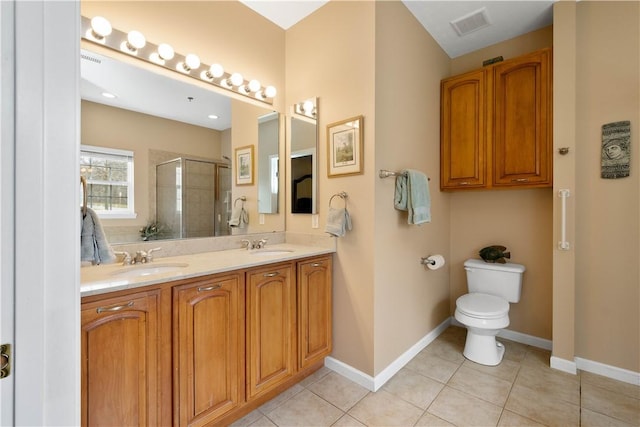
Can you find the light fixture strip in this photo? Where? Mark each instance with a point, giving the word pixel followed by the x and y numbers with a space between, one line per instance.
pixel 116 38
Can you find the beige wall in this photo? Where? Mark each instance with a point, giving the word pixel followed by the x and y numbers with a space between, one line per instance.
pixel 330 54
pixel 105 126
pixel 608 213
pixel 410 300
pixel 521 220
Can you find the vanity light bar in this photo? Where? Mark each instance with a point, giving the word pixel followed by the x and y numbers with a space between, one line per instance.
pixel 163 55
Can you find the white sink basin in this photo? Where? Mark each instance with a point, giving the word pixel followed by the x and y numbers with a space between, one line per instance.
pixel 270 251
pixel 149 269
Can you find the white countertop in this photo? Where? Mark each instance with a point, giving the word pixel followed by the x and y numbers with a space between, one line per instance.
pixel 100 279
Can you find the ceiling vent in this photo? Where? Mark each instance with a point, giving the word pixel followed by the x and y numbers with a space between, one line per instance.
pixel 471 22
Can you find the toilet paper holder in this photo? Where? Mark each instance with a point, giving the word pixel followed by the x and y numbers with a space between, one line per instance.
pixel 427 261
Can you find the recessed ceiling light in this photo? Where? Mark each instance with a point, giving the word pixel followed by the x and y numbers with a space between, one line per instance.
pixel 108 95
pixel 212 116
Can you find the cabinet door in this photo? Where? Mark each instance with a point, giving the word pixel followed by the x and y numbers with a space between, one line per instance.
pixel 208 353
pixel 522 137
pixel 314 310
pixel 463 139
pixel 120 360
pixel 271 328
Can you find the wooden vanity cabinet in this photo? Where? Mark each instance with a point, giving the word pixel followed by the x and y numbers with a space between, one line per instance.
pixel 208 350
pixel 496 125
pixel 120 359
pixel 314 310
pixel 270 328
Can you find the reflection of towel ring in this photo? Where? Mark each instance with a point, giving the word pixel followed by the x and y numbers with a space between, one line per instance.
pixel 243 198
pixel 83 181
pixel 342 195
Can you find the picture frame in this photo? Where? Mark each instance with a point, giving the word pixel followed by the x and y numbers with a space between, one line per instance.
pixel 345 147
pixel 244 165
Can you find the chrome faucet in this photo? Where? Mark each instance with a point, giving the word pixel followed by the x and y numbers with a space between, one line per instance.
pixel 141 257
pixel 256 244
pixel 126 259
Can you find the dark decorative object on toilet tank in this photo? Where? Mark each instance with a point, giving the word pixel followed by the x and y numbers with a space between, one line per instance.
pixel 494 253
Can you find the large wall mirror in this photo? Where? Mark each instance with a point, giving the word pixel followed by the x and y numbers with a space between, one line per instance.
pixel 183 143
pixel 304 156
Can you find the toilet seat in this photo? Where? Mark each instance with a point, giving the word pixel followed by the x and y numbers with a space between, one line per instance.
pixel 482 306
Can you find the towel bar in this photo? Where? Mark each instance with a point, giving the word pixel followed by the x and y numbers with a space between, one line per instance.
pixel 386 173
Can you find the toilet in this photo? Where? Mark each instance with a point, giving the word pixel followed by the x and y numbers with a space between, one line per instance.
pixel 484 311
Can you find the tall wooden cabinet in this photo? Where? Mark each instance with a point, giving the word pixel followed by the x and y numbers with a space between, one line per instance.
pixel 496 125
pixel 271 326
pixel 314 310
pixel 208 348
pixel 120 358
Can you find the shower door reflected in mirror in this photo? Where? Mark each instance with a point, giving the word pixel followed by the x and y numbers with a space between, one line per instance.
pixel 187 199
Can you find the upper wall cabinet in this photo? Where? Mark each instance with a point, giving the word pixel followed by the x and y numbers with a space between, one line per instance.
pixel 496 126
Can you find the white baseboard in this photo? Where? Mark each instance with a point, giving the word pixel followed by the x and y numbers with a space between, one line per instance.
pixel 608 371
pixel 571 367
pixel 563 365
pixel 374 383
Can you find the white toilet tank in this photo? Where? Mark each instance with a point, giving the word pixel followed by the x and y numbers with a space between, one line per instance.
pixel 501 280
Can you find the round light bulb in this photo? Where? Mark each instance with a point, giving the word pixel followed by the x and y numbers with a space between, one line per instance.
pixel 192 61
pixel 216 70
pixel 236 79
pixel 307 106
pixel 165 52
pixel 136 39
pixel 270 92
pixel 101 27
pixel 254 85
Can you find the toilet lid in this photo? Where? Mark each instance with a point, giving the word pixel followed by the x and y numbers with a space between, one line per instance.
pixel 482 306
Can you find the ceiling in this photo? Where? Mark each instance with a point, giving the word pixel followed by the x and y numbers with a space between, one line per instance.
pixel 508 19
pixel 190 104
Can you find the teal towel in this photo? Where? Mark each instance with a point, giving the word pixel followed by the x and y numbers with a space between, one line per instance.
pixel 412 195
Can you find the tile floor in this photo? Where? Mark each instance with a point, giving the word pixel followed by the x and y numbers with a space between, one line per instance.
pixel 439 387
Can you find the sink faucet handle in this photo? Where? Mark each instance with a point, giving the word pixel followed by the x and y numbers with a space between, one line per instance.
pixel 149 256
pixel 261 243
pixel 126 259
pixel 141 256
pixel 246 244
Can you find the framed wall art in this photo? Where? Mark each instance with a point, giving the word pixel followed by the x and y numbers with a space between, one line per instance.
pixel 345 147
pixel 244 165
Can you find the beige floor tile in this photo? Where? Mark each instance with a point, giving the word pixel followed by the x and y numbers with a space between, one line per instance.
pixel 478 384
pixel 551 382
pixel 611 384
pixel 610 403
pixel 384 409
pixel 316 376
pixel 536 357
pixel 430 420
pixel 513 350
pixel 305 409
pixel 280 399
pixel 248 419
pixel 541 408
pixel 263 421
pixel 506 370
pixel 433 367
pixel 511 419
pixel 463 409
pixel 454 334
pixel 447 350
pixel 348 421
pixel 339 391
pixel 414 388
pixel 593 419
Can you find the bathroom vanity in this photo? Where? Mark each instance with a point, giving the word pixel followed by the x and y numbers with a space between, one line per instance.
pixel 202 339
